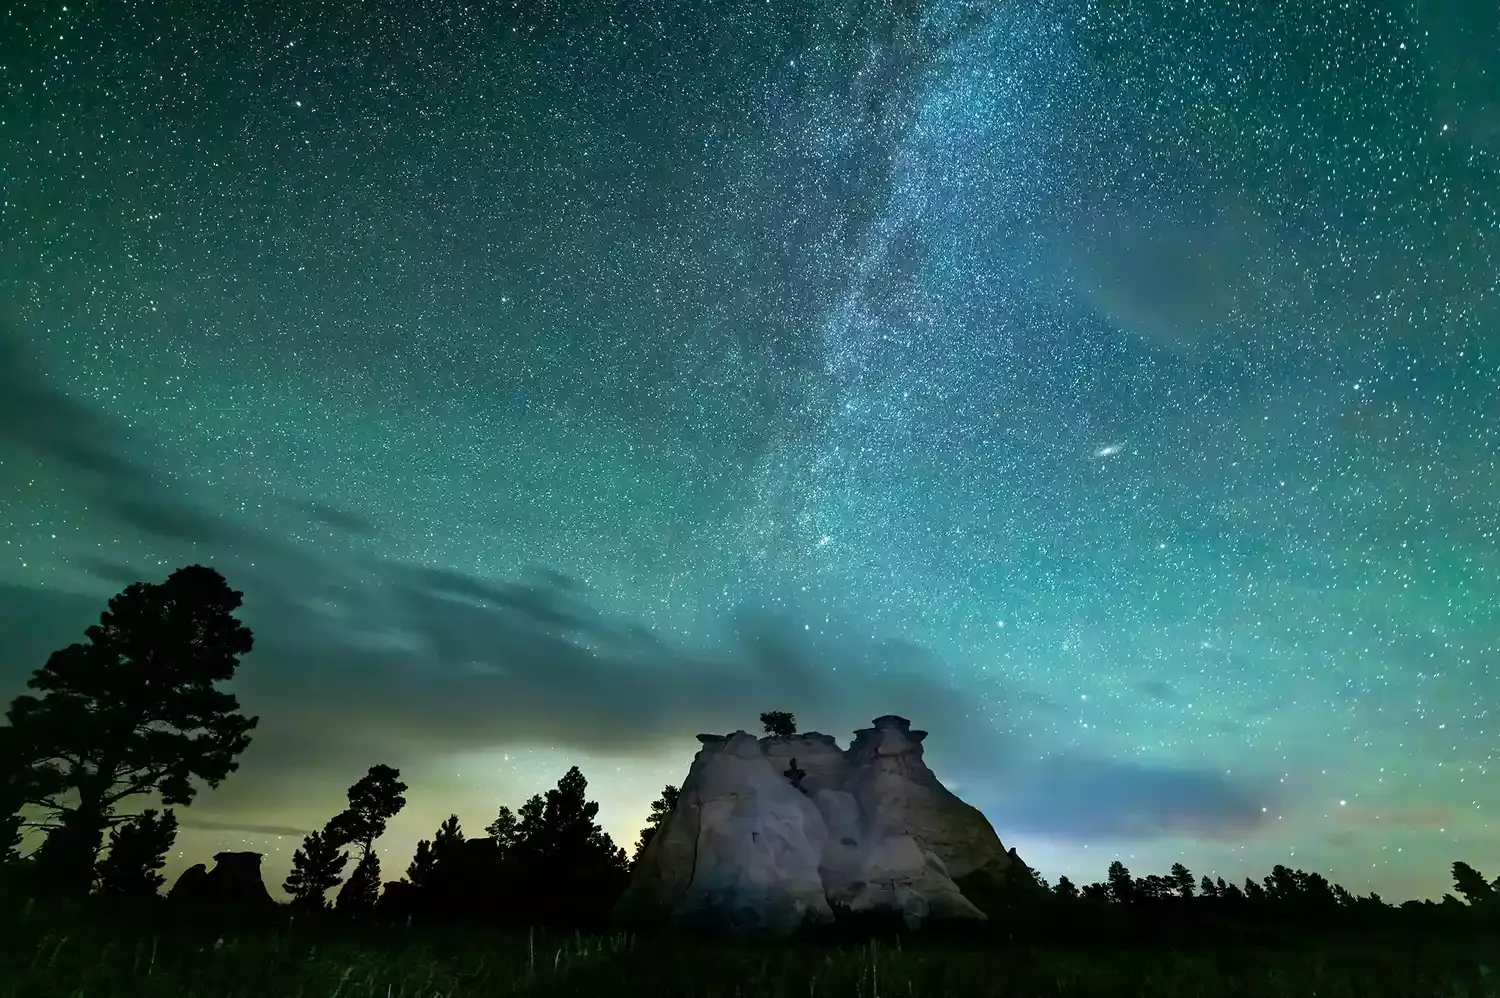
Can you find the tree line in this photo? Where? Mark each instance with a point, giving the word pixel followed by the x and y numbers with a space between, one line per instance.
pixel 134 714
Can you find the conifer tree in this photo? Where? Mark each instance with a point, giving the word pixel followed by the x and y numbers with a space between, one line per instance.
pixel 316 867
pixel 133 711
pixel 361 892
pixel 1182 881
pixel 660 808
pixel 419 873
pixel 505 830
pixel 1121 885
pixel 373 802
pixel 137 853
pixel 1471 884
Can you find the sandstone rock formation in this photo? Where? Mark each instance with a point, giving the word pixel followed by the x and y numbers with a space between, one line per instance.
pixel 234 882
pixel 773 833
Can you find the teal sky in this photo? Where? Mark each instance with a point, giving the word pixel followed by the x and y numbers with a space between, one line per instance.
pixel 1110 388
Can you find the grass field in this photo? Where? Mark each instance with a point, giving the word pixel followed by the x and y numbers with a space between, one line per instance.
pixel 56 952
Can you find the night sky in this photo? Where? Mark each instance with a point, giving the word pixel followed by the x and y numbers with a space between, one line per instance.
pixel 1110 387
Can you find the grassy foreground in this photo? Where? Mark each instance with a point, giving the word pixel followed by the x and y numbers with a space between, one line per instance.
pixel 50 952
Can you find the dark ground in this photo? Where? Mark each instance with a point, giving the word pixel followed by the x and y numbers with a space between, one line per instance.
pixel 51 949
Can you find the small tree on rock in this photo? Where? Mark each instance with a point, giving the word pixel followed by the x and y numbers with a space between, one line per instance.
pixel 316 867
pixel 133 711
pixel 137 852
pixel 779 723
pixel 795 775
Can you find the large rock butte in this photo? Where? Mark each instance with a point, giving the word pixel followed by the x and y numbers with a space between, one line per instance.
pixel 770 834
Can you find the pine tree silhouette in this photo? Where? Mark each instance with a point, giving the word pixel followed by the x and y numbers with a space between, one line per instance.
pixel 137 852
pixel 505 830
pixel 660 809
pixel 133 711
pixel 361 892
pixel 419 873
pixel 1182 881
pixel 1471 884
pixel 316 867
pixel 373 802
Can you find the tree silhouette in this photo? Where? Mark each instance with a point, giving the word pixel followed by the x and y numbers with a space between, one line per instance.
pixel 1121 886
pixel 13 773
pixel 137 852
pixel 1153 887
pixel 373 801
pixel 438 874
pixel 316 867
pixel 1182 880
pixel 1282 884
pixel 660 808
pixel 361 892
pixel 447 844
pixel 1471 884
pixel 1207 888
pixel 132 711
pixel 448 864
pixel 779 723
pixel 505 830
pixel 419 872
pixel 1065 889
pixel 569 867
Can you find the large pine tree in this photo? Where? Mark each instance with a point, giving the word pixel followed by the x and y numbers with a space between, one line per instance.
pixel 132 711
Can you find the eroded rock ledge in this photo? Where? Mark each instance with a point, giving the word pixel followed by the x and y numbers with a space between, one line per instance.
pixel 770 834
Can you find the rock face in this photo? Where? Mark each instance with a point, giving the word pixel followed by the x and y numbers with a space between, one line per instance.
pixel 773 833
pixel 234 882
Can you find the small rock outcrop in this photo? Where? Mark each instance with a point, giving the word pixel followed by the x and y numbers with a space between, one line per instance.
pixel 234 883
pixel 771 834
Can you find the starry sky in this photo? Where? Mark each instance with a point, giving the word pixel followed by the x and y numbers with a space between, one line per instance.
pixel 1109 387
